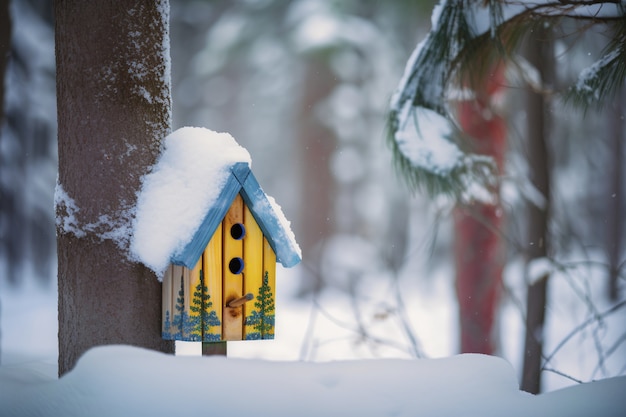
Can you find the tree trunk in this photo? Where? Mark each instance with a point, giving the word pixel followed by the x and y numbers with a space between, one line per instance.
pixel 615 204
pixel 5 48
pixel 540 55
pixel 317 143
pixel 113 103
pixel 479 255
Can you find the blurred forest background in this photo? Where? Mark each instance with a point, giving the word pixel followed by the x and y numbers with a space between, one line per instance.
pixel 305 85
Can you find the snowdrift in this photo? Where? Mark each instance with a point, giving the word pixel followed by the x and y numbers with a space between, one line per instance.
pixel 129 381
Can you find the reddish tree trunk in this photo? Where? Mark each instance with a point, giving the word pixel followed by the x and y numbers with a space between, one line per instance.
pixel 479 256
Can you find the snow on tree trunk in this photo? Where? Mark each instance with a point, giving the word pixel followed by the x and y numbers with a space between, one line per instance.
pixel 478 246
pixel 540 54
pixel 113 95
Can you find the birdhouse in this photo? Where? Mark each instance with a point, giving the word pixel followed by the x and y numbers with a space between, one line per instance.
pixel 220 283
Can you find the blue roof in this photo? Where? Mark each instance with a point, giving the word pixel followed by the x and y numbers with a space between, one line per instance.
pixel 242 181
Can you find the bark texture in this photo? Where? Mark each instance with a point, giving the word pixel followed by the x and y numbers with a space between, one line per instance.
pixel 113 98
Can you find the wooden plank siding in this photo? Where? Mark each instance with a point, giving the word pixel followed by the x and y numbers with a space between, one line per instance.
pixel 269 266
pixel 213 262
pixel 194 309
pixel 186 322
pixel 232 323
pixel 195 302
pixel 166 305
pixel 253 272
pixel 178 302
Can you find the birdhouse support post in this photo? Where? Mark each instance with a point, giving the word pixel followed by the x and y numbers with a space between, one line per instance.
pixel 214 349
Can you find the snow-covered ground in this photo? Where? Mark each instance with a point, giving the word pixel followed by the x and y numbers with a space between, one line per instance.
pixel 128 381
pixel 316 366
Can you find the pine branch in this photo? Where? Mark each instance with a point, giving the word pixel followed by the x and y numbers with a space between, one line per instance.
pixel 600 82
pixel 459 52
pixel 580 328
pixel 472 169
pixel 571 9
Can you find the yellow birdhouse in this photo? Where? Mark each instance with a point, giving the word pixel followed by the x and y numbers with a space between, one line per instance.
pixel 220 284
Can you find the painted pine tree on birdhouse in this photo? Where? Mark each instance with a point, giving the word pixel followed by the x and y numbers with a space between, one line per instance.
pixel 205 225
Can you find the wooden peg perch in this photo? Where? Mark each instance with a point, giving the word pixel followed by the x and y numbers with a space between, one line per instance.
pixel 240 301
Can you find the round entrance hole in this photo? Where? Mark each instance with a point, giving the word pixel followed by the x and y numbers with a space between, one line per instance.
pixel 236 265
pixel 237 231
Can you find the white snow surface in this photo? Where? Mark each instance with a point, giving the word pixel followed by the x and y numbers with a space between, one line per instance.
pixel 326 368
pixel 285 224
pixel 588 75
pixel 176 195
pixel 66 222
pixel 423 141
pixel 539 268
pixel 128 381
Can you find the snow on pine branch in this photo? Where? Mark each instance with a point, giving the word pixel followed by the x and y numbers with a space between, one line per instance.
pixel 604 77
pixel 424 151
pixel 420 131
pixel 424 142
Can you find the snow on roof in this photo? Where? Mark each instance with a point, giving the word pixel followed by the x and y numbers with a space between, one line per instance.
pixel 266 212
pixel 175 196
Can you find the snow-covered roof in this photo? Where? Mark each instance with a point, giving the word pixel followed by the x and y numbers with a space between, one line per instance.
pixel 187 194
pixel 265 211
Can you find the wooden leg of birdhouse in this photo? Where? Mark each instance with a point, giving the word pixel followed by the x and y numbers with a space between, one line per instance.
pixel 210 349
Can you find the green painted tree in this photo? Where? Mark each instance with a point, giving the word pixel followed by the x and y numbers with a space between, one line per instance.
pixel 166 332
pixel 203 320
pixel 179 318
pixel 262 319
